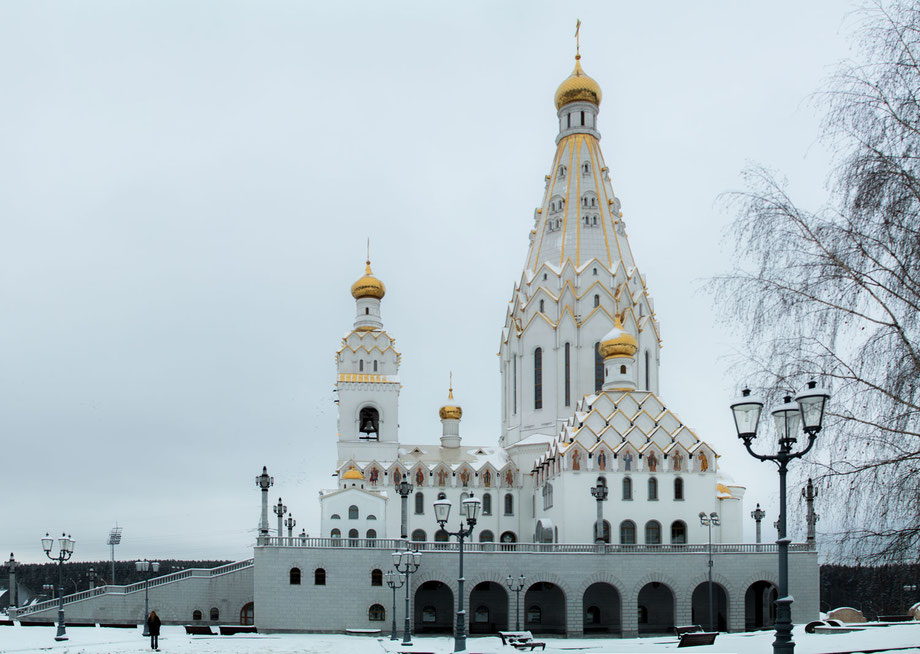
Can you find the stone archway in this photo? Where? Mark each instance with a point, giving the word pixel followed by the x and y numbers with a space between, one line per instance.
pixel 488 608
pixel 434 608
pixel 602 609
pixel 656 609
pixel 544 608
pixel 759 606
pixel 699 606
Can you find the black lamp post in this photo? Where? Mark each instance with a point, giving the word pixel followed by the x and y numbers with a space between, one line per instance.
pixel 147 567
pixel 406 563
pixel 599 493
pixel 471 506
pixel 404 489
pixel 516 586
pixel 808 409
pixel 394 581
pixel 65 551
pixel 710 521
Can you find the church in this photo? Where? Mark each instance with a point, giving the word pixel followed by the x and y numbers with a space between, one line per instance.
pixel 592 490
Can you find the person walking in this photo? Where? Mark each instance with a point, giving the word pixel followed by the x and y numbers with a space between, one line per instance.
pixel 153 626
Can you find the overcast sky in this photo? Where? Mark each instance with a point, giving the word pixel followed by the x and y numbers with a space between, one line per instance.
pixel 187 188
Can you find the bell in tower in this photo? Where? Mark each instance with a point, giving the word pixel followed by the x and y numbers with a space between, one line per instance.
pixel 369 424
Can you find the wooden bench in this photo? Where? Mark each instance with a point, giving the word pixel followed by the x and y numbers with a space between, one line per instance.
pixel 695 638
pixel 119 625
pixel 36 623
pixel 6 623
pixel 520 640
pixel 687 629
pixel 895 618
pixel 199 630
pixel 515 635
pixel 231 629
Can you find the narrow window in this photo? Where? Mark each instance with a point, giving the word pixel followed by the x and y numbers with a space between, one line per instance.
pixel 568 120
pixel 678 489
pixel 678 532
pixel 509 504
pixel 652 533
pixel 215 614
pixel 352 512
pixel 515 385
pixel 622 370
pixel 627 488
pixel 598 368
pixel 487 504
pixel 653 488
pixel 419 503
pixel 567 382
pixel 541 306
pixel 648 385
pixel 627 532
pixel 294 577
pixel 538 378
pixel 595 272
pixel 376 577
pixel 597 300
pixel 367 311
pixel 361 365
pixel 582 118
pixel 375 365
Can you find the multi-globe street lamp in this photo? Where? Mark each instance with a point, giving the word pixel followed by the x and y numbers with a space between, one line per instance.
pixel 394 580
pixel 147 567
pixel 470 507
pixel 710 521
pixel 599 492
pixel 406 563
pixel 65 551
pixel 806 411
pixel 516 586
pixel 404 489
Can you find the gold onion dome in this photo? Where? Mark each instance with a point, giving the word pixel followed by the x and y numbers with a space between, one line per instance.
pixel 618 342
pixel 450 411
pixel 352 473
pixel 578 87
pixel 368 286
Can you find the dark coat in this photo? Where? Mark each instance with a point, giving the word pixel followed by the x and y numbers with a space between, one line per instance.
pixel 153 625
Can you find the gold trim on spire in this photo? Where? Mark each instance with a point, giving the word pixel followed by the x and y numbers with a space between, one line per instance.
pixel 450 411
pixel 368 286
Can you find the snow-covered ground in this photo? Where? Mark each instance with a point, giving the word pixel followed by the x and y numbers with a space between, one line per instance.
pixel 173 639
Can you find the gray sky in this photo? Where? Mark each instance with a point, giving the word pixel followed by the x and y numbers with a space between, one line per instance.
pixel 188 187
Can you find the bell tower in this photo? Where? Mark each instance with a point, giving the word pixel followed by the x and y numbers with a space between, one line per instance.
pixel 367 380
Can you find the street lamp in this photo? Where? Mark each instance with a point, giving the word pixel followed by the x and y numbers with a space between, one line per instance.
pixel 599 493
pixel 280 509
pixel 394 581
pixel 65 551
pixel 710 521
pixel 441 513
pixel 808 409
pixel 758 514
pixel 263 483
pixel 290 523
pixel 146 567
pixel 407 562
pixel 403 489
pixel 516 586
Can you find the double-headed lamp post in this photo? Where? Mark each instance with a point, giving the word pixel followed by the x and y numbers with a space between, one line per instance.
pixel 65 551
pixel 807 410
pixel 404 489
pixel 406 563
pixel 710 521
pixel 394 580
pixel 599 492
pixel 471 506
pixel 147 567
pixel 516 586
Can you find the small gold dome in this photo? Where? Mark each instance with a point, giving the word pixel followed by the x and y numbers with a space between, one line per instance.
pixel 450 411
pixel 352 473
pixel 618 342
pixel 368 286
pixel 578 87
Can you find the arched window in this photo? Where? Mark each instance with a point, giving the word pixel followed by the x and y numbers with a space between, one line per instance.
pixel 652 533
pixel 487 504
pixel 419 536
pixel 678 532
pixel 294 577
pixel 594 271
pixel 376 577
pixel 442 496
pixel 196 615
pixel 371 534
pixel 598 368
pixel 352 512
pixel 367 311
pixel 542 305
pixel 678 489
pixel 376 613
pixel 369 423
pixel 652 488
pixel 567 381
pixel 441 536
pixel 419 503
pixel 627 532
pixel 627 488
pixel 538 378
pixel 319 577
pixel 215 614
pixel 335 533
pixel 622 370
pixel 509 504
pixel 371 516
pixel 335 516
pixel 352 533
pixel 597 300
pixel 486 536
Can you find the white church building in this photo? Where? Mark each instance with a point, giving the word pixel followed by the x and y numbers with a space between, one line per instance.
pixel 580 408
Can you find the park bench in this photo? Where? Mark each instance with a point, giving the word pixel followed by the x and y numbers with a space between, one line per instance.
pixel 696 638
pixel 119 625
pixel 231 629
pixel 895 618
pixel 6 623
pixel 687 629
pixel 199 630
pixel 520 640
pixel 36 623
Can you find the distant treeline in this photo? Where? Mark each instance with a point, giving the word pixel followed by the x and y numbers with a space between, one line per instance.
pixel 873 590
pixel 77 574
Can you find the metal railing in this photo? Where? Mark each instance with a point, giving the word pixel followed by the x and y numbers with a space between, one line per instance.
pixel 134 588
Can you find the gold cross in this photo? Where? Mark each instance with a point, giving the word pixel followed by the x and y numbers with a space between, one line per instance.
pixel 577 39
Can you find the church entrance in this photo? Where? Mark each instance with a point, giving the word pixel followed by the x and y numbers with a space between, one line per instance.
pixel 434 608
pixel 656 609
pixel 488 608
pixel 759 607
pixel 544 609
pixel 601 606
pixel 699 609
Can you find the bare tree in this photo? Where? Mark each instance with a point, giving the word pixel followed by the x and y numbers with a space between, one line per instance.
pixel 835 293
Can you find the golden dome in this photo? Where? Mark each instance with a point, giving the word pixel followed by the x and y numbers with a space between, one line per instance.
pixel 368 286
pixel 618 342
pixel 450 411
pixel 578 87
pixel 352 473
